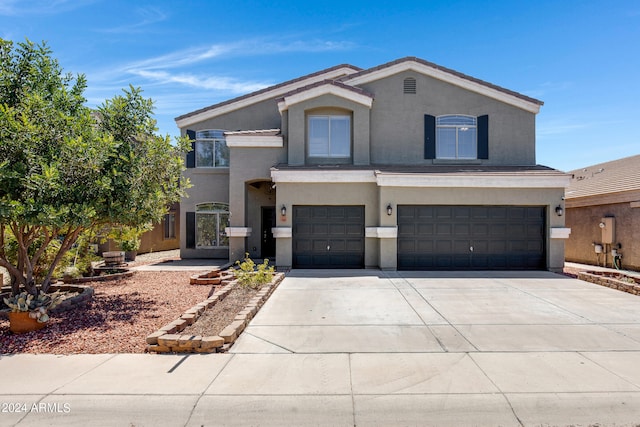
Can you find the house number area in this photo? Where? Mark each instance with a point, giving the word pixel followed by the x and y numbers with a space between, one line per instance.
pixel 36 407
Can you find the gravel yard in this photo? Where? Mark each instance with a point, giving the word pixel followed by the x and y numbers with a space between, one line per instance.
pixel 118 320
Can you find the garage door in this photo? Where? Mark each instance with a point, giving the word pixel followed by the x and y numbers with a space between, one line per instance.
pixel 471 238
pixel 328 236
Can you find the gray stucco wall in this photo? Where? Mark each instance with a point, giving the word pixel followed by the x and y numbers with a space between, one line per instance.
pixel 248 165
pixel 262 115
pixel 297 127
pixel 209 185
pixel 382 252
pixel 397 121
pixel 290 194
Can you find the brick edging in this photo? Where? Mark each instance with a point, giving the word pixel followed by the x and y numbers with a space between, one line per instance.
pixel 168 339
pixel 609 282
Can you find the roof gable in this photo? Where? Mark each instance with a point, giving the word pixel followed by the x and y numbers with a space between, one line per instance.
pixel 270 92
pixel 331 87
pixel 447 75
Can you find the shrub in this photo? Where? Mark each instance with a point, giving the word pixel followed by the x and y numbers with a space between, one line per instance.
pixel 252 276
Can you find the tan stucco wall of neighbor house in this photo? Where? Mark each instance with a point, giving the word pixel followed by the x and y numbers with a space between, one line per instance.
pixel 585 232
pixel 397 121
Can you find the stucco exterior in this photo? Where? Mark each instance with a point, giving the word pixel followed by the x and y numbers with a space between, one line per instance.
pixel 607 190
pixel 389 165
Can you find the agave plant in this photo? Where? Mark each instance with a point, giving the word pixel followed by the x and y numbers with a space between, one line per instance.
pixel 37 306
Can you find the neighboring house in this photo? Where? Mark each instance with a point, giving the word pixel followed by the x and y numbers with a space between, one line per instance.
pixel 407 165
pixel 163 237
pixel 603 211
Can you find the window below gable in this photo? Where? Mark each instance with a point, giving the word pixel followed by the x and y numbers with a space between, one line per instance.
pixel 329 136
pixel 456 137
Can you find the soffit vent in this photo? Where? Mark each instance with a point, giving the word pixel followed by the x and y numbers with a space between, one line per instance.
pixel 410 85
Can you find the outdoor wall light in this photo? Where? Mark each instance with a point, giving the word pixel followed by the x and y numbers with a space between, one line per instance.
pixel 283 210
pixel 389 209
pixel 559 210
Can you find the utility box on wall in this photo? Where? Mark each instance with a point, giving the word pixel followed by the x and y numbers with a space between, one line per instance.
pixel 607 226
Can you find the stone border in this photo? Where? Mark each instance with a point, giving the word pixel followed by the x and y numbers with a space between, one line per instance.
pixel 610 282
pixel 168 339
pixel 213 277
pixel 104 278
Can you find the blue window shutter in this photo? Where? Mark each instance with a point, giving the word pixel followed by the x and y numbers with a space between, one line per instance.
pixel 191 230
pixel 429 137
pixel 191 155
pixel 483 137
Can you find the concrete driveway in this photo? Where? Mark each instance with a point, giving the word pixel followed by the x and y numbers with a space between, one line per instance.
pixel 371 348
pixel 402 348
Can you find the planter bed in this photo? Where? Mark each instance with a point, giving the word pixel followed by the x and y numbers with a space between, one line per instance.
pixel 82 296
pixel 617 281
pixel 179 337
pixel 104 274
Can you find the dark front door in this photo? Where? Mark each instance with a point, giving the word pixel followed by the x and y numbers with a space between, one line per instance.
pixel 268 247
pixel 471 237
pixel 328 236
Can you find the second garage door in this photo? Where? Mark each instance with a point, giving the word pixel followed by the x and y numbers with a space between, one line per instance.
pixel 328 236
pixel 471 237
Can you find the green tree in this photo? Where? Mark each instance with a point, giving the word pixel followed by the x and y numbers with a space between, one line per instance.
pixel 65 169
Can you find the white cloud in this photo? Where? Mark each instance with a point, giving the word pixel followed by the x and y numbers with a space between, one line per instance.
pixel 242 48
pixel 209 83
pixel 148 16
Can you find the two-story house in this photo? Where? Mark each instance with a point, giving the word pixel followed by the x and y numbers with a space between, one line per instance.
pixel 407 165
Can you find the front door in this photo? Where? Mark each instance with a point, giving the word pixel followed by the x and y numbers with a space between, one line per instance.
pixel 268 247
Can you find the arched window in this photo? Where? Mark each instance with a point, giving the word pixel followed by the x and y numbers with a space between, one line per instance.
pixel 211 149
pixel 212 220
pixel 456 137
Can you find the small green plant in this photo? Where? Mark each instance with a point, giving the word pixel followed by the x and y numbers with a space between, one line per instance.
pixel 251 277
pixel 37 306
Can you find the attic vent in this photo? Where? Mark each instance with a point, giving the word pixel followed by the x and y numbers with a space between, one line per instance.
pixel 410 85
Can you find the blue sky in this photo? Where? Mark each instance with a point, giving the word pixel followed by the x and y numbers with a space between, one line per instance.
pixel 580 57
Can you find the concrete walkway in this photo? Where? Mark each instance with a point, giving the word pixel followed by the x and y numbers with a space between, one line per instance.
pixel 369 348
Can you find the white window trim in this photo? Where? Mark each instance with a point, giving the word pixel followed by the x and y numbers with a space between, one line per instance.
pixel 329 116
pixel 457 127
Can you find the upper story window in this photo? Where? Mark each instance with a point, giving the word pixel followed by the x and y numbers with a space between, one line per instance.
pixel 456 137
pixel 329 136
pixel 211 149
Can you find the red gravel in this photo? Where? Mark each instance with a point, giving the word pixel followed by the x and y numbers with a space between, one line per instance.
pixel 118 319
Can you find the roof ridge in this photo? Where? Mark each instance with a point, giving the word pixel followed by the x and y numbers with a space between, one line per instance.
pixel 267 89
pixel 445 69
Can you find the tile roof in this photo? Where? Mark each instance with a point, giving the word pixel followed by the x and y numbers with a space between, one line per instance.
pixel 432 169
pixel 616 176
pixel 257 132
pixel 327 82
pixel 447 70
pixel 267 89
